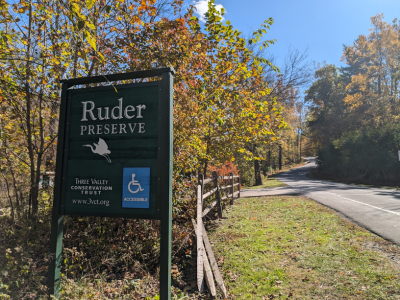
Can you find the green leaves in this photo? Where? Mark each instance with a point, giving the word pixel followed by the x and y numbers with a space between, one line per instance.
pixel 80 24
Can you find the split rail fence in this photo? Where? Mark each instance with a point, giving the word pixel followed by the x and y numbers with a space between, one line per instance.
pixel 206 263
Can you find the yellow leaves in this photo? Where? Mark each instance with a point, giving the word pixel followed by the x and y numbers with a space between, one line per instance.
pixel 90 40
pixel 102 59
pixel 358 82
pixel 357 91
pixel 77 10
pixel 90 3
pixel 82 19
pixel 90 25
pixel 354 101
pixel 82 54
pixel 23 9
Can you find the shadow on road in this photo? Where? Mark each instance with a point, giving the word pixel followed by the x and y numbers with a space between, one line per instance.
pixel 298 178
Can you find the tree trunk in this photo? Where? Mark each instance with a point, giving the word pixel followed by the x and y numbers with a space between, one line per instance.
pixel 18 205
pixel 205 169
pixel 35 193
pixel 33 189
pixel 269 156
pixel 10 200
pixel 264 169
pixel 379 85
pixel 257 172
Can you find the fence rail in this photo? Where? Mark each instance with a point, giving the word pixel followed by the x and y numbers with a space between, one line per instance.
pixel 205 257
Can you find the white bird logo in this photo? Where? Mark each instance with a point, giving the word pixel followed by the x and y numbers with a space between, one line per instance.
pixel 101 149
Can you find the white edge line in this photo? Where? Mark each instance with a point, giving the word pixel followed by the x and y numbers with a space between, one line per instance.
pixel 385 210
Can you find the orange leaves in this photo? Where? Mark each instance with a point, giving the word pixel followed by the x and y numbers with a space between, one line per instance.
pixel 147 6
pixel 180 21
pixel 135 20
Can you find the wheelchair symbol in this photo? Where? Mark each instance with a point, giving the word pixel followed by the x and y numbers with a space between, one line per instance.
pixel 134 183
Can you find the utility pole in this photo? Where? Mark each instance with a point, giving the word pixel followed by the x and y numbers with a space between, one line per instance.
pixel 300 146
pixel 300 131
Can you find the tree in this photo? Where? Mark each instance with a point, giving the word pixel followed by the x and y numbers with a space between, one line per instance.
pixel 220 103
pixel 41 42
pixel 285 92
pixel 373 67
pixel 353 105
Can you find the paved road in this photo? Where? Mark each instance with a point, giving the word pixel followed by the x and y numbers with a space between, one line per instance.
pixel 278 191
pixel 376 209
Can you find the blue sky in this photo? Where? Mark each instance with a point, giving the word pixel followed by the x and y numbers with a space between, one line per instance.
pixel 322 26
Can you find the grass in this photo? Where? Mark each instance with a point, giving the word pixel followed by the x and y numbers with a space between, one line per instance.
pixel 267 182
pixel 292 247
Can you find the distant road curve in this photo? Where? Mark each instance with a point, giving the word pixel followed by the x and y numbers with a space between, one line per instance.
pixel 376 209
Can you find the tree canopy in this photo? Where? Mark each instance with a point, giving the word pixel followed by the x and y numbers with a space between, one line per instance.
pixel 220 98
pixel 354 110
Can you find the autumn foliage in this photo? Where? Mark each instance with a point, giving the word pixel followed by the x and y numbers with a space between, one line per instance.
pixel 221 102
pixel 354 110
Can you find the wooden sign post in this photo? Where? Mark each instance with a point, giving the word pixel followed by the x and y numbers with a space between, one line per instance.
pixel 114 158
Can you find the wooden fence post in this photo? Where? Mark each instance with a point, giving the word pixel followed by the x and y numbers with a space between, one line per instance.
pixel 199 240
pixel 239 181
pixel 207 269
pixel 231 174
pixel 217 195
pixel 201 183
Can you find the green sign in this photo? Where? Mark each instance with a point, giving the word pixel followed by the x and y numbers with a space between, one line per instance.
pixel 114 157
pixel 110 132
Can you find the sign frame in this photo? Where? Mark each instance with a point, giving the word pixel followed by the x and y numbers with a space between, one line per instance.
pixel 164 171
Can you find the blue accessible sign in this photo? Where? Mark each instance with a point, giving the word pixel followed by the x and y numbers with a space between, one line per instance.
pixel 136 187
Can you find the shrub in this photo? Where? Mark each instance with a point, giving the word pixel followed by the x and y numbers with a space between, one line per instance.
pixel 365 156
